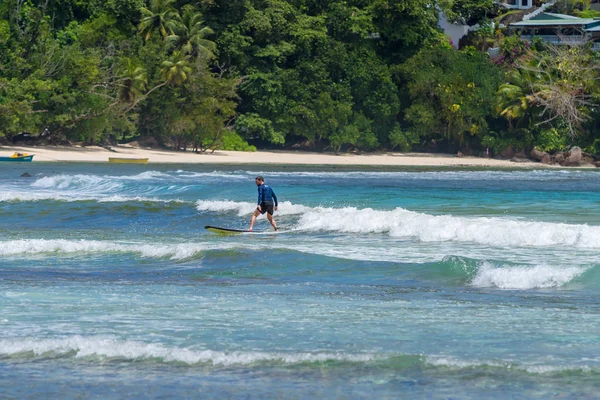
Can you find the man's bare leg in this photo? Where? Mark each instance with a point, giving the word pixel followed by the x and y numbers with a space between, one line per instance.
pixel 253 220
pixel 272 221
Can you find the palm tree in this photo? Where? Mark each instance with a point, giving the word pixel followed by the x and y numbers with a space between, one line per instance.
pixel 175 71
pixel 189 33
pixel 515 98
pixel 134 82
pixel 160 17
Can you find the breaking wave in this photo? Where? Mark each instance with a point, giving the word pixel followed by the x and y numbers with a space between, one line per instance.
pixel 73 197
pixel 243 209
pixel 404 224
pixel 41 246
pixel 525 277
pixel 451 269
pixel 127 350
pixel 504 275
pixel 103 349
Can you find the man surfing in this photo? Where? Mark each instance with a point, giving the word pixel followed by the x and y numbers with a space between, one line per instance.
pixel 267 203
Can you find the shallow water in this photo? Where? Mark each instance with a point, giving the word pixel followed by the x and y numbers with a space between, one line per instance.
pixel 382 283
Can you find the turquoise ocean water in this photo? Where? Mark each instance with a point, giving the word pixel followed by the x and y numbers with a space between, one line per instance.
pixel 384 284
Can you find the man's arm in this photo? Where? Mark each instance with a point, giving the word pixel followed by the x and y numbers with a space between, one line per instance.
pixel 260 195
pixel 274 197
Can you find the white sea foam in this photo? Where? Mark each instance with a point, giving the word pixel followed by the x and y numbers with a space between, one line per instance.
pixel 24 247
pixel 457 363
pixel 532 367
pixel 401 223
pixel 31 247
pixel 130 350
pixel 40 246
pixel 233 175
pixel 92 186
pixel 96 181
pixel 144 176
pixel 70 188
pixel 135 351
pixel 542 369
pixel 450 175
pixel 74 197
pixel 241 208
pixel 140 199
pixel 8 196
pixel 246 208
pixel 525 277
pixel 88 183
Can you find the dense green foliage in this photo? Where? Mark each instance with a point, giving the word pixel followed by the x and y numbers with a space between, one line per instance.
pixel 325 75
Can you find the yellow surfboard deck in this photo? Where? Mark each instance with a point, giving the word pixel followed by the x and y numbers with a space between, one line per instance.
pixel 224 231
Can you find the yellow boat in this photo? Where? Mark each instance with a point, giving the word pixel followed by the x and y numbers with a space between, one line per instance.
pixel 121 160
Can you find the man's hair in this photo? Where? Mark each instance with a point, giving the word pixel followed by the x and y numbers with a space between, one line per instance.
pixel 260 178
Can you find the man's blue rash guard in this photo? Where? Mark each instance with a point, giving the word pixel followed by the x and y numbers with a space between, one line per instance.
pixel 265 193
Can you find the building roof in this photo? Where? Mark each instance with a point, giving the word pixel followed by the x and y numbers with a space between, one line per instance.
pixel 557 20
pixel 547 15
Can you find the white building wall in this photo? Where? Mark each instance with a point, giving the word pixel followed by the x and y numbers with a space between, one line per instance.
pixel 518 4
pixel 456 32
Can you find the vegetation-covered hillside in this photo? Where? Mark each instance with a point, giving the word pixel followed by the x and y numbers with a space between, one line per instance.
pixel 323 75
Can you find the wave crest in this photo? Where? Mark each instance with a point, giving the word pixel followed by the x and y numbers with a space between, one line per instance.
pixel 111 349
pixel 40 246
pixel 244 208
pixel 127 350
pixel 525 277
pixel 402 223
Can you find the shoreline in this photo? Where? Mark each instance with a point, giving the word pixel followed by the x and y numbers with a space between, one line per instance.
pixel 94 154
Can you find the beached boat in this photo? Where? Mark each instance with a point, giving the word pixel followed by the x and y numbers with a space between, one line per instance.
pixel 18 157
pixel 121 160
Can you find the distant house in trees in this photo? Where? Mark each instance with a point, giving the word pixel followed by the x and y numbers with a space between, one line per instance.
pixel 559 29
pixel 454 31
pixel 458 31
pixel 534 9
pixel 517 4
pixel 595 5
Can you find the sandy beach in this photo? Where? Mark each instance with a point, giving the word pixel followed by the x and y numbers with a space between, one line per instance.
pixel 100 154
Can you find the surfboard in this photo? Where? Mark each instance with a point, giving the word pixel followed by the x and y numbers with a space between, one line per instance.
pixel 231 231
pixel 224 231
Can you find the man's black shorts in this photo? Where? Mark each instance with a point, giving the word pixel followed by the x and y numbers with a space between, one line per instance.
pixel 266 207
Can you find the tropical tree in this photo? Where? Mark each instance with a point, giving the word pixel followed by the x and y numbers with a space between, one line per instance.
pixel 189 34
pixel 514 97
pixel 133 82
pixel 161 17
pixel 175 71
pixel 404 26
pixel 569 6
pixel 452 94
pixel 563 81
pixel 213 106
pixel 467 12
